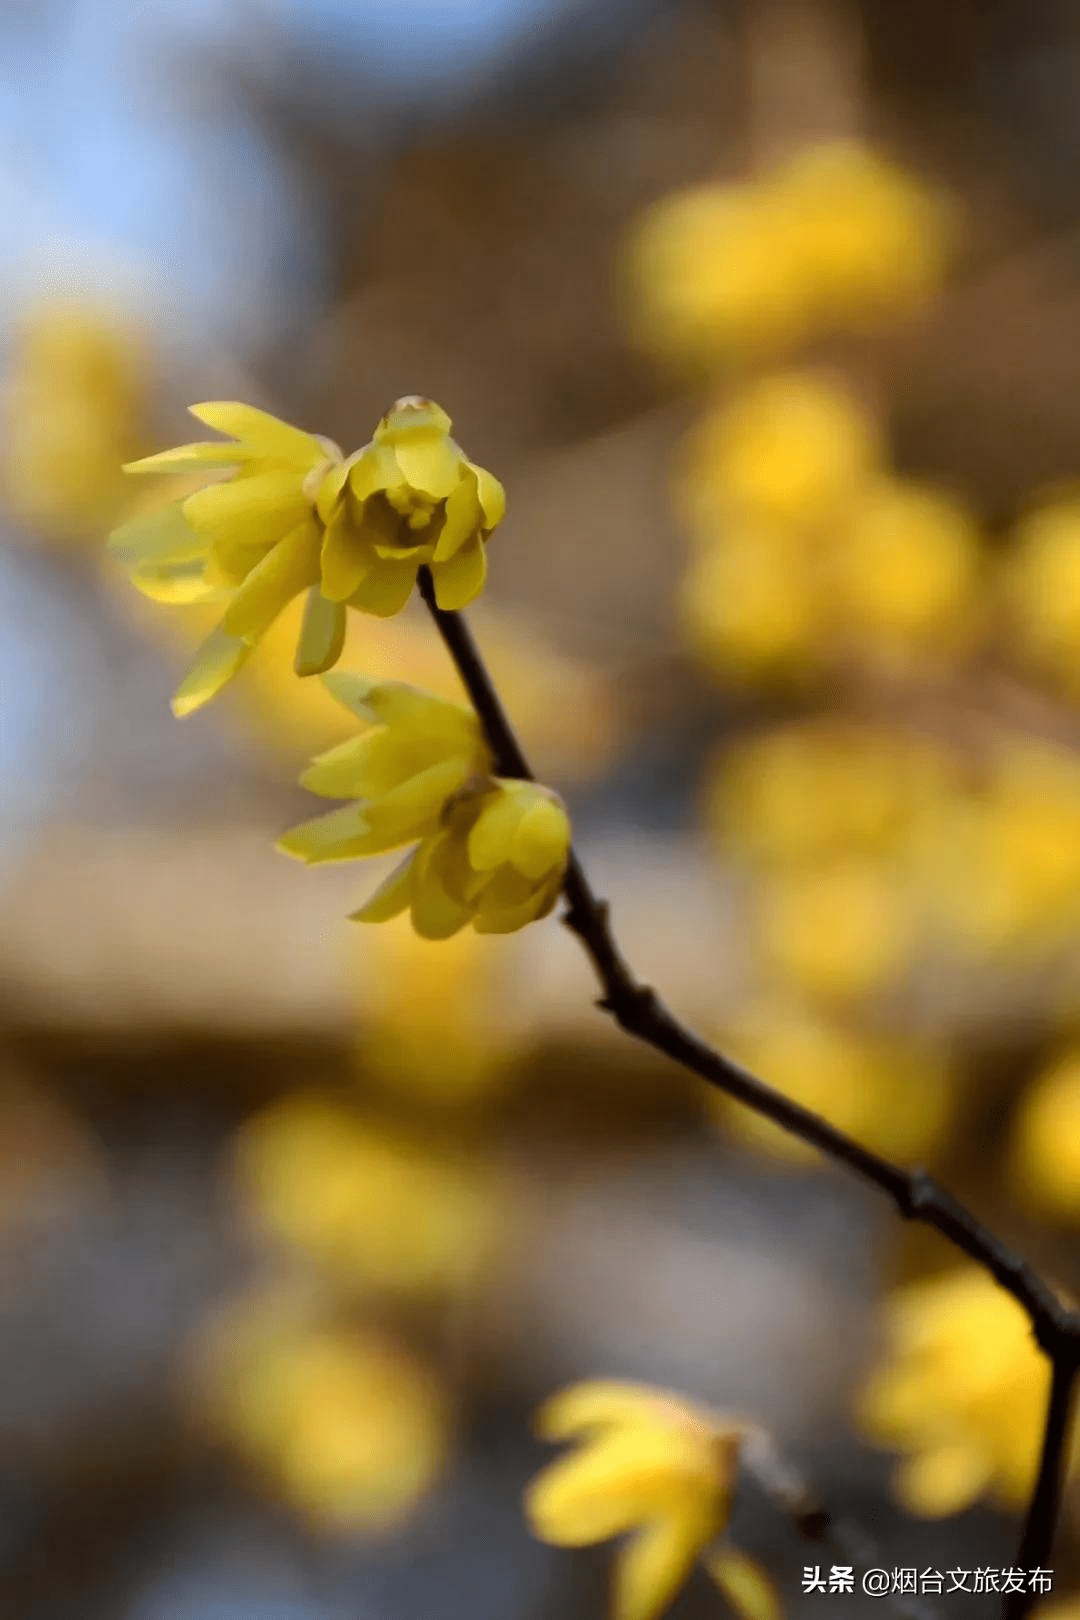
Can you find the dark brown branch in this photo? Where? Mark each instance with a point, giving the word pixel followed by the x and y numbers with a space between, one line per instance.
pixel 638 1010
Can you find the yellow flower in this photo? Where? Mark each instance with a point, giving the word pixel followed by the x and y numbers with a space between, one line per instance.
pixel 417 750
pixel 799 793
pixel 790 449
pixel 890 1094
pixel 1043 586
pixel 70 415
pixel 841 930
pixel 709 277
pixel 490 852
pixel 291 515
pixel 344 1424
pixel 868 240
pixel 1045 1151
pixel 962 1391
pixel 749 606
pixel 907 569
pixel 388 1215
pixel 652 1462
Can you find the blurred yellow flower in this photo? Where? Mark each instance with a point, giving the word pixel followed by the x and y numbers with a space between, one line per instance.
pixel 893 1095
pixel 288 515
pixel 962 1391
pixel 841 930
pixel 836 239
pixel 708 277
pixel 346 1425
pixel 792 449
pixel 744 1583
pixel 750 608
pixel 907 570
pixel 415 752
pixel 1043 587
pixel 870 240
pixel 1044 1167
pixel 799 793
pixel 386 1214
pixel 492 853
pixel 650 1461
pixel 433 1027
pixel 1006 868
pixel 70 415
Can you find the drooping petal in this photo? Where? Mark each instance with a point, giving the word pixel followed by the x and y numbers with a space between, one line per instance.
pixel 493 832
pixel 178 584
pixel 744 1584
pixel 328 497
pixel 322 634
pixel 216 662
pixel 347 556
pixel 435 913
pixel 657 1562
pixel 506 919
pixel 191 457
pixel 163 536
pixel 461 518
pixel 251 511
pixel 267 435
pixel 413 808
pixel 230 561
pixel 387 588
pixel 542 839
pixel 460 580
pixel 291 567
pixel 392 896
pixel 343 835
pixel 492 497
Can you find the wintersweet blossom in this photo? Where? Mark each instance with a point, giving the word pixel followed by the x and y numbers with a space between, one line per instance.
pixel 486 851
pixel 651 1462
pixel 288 514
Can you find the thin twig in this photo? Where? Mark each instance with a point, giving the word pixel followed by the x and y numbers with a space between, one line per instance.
pixel 638 1010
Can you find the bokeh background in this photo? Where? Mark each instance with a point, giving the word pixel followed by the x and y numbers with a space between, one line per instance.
pixel 767 315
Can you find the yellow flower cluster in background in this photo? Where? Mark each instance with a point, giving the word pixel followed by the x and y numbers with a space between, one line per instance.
pixel 345 1424
pixel 836 239
pixel 288 515
pixel 1044 1167
pixel 70 414
pixel 652 1462
pixel 962 1392
pixel 1042 589
pixel 383 1212
pixel 807 549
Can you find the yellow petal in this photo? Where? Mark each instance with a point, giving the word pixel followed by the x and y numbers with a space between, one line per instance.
pixel 460 580
pixel 391 898
pixel 387 588
pixel 542 839
pixel 429 462
pixel 745 1584
pixel 216 662
pixel 230 562
pixel 267 435
pixel 365 767
pixel 435 913
pixel 177 584
pixel 346 557
pixel 343 835
pixel 621 1478
pixel 248 511
pixel 492 835
pixel 322 634
pixel 412 809
pixel 408 415
pixel 492 497
pixel 329 492
pixel 163 536
pixel 291 567
pixel 448 726
pixel 656 1563
pixel 507 919
pixel 462 517
pixel 190 457
pixel 944 1480
pixel 595 1404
